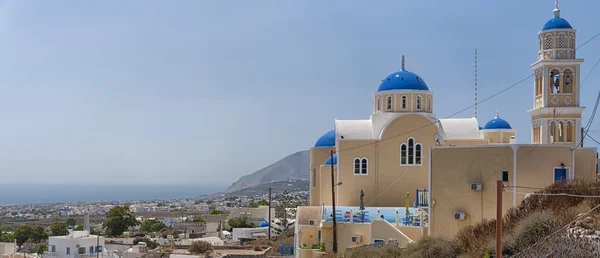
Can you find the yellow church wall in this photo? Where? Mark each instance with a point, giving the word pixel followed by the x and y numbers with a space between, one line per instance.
pixel 452 172
pixel 393 179
pixel 318 156
pixel 506 136
pixel 349 191
pixel 551 116
pixel 325 179
pixel 536 163
pixel 585 163
pixel 453 169
pixel 494 136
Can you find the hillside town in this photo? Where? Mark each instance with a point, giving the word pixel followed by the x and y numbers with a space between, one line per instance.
pixel 224 221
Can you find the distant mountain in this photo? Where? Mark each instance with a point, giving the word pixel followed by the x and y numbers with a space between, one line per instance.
pixel 292 167
pixel 277 187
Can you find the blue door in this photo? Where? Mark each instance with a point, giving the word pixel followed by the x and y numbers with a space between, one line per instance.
pixel 560 174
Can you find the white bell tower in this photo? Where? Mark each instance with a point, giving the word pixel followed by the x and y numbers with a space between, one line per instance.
pixel 556 113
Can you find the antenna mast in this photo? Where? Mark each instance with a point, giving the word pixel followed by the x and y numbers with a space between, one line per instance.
pixel 475 82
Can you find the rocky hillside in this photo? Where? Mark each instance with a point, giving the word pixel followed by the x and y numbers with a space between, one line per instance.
pixel 292 167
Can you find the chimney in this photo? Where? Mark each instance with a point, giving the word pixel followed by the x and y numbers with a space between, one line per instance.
pixel 86 222
pixel 513 140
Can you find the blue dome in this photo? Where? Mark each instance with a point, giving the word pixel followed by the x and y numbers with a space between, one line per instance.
pixel 328 161
pixel 480 128
pixel 326 140
pixel 557 23
pixel 403 80
pixel 497 123
pixel 264 224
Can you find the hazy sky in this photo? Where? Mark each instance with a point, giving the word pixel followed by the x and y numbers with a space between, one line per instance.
pixel 202 92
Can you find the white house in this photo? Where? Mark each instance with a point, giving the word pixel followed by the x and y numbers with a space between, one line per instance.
pixel 76 244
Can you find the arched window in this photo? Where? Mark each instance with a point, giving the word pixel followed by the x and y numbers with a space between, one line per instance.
pixel 569 132
pixel 363 166
pixel 314 172
pixel 548 42
pixel 411 151
pixel 418 153
pixel 552 131
pixel 378 103
pixel 555 81
pixel 356 166
pixel 561 41
pixel 403 154
pixel 418 102
pixel 561 137
pixel 568 81
pixel 403 102
pixel 429 103
pixel 389 103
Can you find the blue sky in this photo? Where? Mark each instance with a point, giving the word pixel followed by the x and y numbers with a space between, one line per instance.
pixel 202 92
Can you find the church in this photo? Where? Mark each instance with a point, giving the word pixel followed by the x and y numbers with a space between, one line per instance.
pixel 404 173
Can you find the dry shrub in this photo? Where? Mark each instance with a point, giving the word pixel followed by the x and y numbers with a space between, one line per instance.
pixel 200 247
pixel 432 247
pixel 386 251
pixel 533 228
pixel 473 240
pixel 561 246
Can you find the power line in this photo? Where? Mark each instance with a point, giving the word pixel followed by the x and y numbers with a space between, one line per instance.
pixel 561 194
pixel 466 108
pixel 592 138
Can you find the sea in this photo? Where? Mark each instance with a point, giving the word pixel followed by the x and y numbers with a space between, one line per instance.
pixel 36 194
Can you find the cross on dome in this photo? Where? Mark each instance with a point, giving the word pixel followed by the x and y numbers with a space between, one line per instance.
pixel 497 113
pixel 556 11
pixel 403 63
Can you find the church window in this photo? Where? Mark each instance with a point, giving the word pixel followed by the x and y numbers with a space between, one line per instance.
pixel 403 102
pixel 357 166
pixel 389 103
pixel 552 131
pixel 555 81
pixel 548 42
pixel 418 102
pixel 568 82
pixel 560 132
pixel 429 103
pixel 418 154
pixel 403 154
pixel 561 42
pixel 411 152
pixel 378 103
pixel 569 132
pixel 363 166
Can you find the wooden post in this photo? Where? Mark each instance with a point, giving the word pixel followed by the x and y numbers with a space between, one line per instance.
pixel 499 188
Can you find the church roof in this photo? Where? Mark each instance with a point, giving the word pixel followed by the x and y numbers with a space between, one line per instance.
pixel 326 140
pixel 557 23
pixel 403 80
pixel 460 128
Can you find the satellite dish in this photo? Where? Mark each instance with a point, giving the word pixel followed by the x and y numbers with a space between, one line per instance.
pixel 438 139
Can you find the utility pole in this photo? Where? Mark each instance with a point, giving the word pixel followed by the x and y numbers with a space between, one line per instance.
pixel 269 233
pixel 333 206
pixel 499 189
